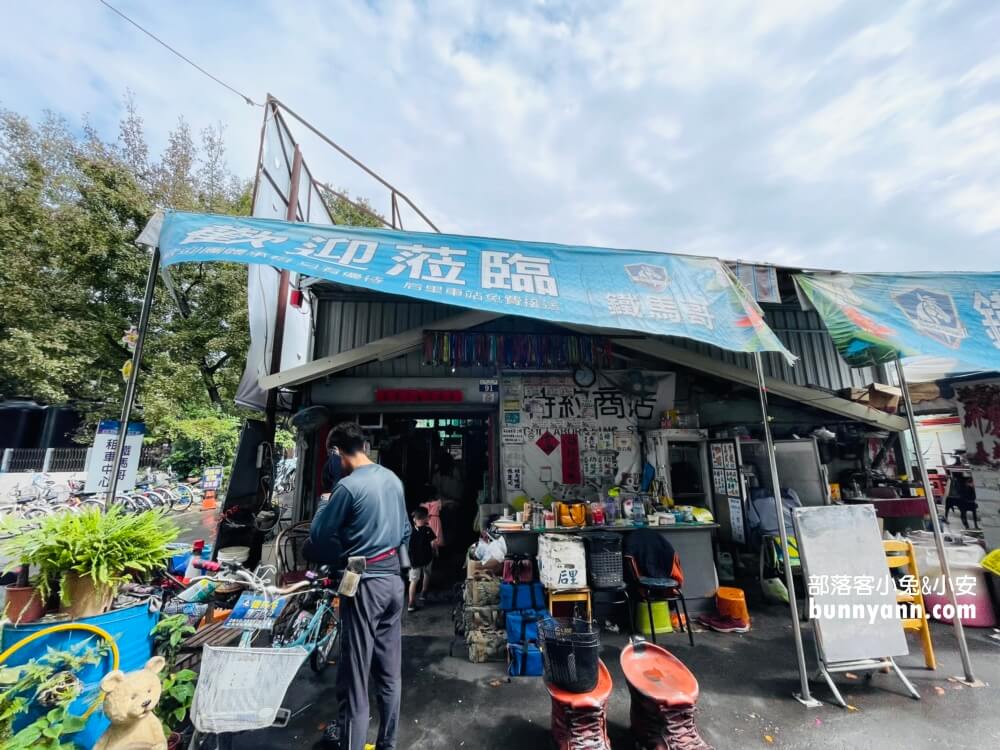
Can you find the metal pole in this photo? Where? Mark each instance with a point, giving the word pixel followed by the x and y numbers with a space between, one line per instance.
pixel 291 214
pixel 147 304
pixel 963 647
pixel 804 697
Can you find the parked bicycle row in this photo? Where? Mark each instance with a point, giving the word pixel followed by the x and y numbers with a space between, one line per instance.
pixel 42 497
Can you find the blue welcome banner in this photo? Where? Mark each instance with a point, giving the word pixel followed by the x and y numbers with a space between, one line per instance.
pixel 873 318
pixel 657 293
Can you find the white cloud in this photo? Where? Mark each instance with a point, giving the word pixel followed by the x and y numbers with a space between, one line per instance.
pixel 837 133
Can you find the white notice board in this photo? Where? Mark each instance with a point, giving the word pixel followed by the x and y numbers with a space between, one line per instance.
pixel 844 566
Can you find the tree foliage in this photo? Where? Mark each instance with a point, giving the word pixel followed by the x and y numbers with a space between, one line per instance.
pixel 72 278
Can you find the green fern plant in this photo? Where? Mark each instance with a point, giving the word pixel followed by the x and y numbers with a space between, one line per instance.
pixel 108 547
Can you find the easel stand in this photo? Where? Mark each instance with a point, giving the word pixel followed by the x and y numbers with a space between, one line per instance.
pixel 868 666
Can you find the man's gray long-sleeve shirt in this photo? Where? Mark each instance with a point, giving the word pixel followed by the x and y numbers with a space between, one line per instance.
pixel 364 517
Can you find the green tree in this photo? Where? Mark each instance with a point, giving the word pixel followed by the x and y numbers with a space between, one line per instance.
pixel 72 278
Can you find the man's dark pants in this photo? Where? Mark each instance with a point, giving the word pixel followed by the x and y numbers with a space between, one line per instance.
pixel 371 641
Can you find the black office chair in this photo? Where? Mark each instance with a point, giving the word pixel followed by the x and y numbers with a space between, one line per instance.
pixel 651 589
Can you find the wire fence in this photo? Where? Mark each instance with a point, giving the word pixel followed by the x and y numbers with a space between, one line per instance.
pixel 53 460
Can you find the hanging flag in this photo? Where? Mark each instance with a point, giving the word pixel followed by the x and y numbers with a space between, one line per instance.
pixel 657 293
pixel 873 318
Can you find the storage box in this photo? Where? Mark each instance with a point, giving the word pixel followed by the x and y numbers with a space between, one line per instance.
pixel 562 562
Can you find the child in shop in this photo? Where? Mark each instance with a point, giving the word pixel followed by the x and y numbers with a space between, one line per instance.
pixel 421 557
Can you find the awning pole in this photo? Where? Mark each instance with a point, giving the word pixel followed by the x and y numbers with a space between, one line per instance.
pixel 147 304
pixel 804 696
pixel 963 647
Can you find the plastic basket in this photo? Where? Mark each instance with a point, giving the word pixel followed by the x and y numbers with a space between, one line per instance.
pixel 232 697
pixel 604 560
pixel 571 651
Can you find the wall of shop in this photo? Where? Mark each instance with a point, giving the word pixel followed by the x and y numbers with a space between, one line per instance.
pixel 346 320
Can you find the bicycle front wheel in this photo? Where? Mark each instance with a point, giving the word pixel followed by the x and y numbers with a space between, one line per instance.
pixel 184 497
pixel 328 644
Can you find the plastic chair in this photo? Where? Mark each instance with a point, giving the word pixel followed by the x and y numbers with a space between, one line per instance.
pixel 900 556
pixel 288 550
pixel 651 590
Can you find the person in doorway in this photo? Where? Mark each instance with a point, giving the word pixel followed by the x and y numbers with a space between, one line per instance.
pixel 366 516
pixel 421 557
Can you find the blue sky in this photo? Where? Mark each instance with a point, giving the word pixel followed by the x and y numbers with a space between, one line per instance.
pixel 822 133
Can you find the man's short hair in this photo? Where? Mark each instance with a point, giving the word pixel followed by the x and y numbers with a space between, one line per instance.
pixel 420 514
pixel 348 438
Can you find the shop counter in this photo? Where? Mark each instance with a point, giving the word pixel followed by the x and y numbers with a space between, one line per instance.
pixel 692 541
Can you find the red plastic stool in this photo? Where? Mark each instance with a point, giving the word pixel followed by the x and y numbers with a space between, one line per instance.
pixel 664 694
pixel 580 720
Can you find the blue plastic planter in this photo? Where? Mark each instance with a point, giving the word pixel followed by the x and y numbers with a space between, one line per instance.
pixel 130 627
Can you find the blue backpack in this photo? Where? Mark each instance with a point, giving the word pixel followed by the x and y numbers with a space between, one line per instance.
pixel 515 596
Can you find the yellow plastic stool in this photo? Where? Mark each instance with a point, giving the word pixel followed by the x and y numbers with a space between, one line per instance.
pixel 661 618
pixel 570 597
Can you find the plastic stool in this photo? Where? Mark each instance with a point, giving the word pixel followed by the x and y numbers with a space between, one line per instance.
pixel 574 597
pixel 661 618
pixel 732 602
pixel 664 694
pixel 579 720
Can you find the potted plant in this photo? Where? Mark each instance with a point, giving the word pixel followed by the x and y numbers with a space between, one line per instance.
pixel 24 603
pixel 91 553
pixel 178 684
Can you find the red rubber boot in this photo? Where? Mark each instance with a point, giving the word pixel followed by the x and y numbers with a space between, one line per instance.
pixel 664 694
pixel 579 720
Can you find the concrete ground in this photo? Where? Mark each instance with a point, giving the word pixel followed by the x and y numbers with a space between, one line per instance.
pixel 746 687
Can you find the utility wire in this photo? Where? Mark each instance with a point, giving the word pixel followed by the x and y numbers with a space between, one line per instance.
pixel 188 60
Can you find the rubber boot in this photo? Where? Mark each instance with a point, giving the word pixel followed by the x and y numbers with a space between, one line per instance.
pixel 659 727
pixel 579 728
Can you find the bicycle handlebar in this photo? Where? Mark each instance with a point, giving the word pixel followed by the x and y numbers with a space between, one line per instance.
pixel 247 580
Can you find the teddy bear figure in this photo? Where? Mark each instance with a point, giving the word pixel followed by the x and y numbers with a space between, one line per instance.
pixel 129 700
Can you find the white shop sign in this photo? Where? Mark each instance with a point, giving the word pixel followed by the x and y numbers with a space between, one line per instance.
pixel 102 457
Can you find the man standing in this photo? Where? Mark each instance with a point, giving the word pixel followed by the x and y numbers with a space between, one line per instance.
pixel 366 515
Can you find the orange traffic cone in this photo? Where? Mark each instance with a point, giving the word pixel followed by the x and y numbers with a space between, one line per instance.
pixel 208 500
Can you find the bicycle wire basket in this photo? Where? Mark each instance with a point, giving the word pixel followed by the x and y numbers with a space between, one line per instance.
pixel 231 696
pixel 571 650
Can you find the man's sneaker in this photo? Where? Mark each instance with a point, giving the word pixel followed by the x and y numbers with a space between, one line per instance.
pixel 421 601
pixel 412 608
pixel 723 624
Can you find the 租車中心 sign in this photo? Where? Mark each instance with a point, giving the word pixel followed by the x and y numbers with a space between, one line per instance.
pixel 101 461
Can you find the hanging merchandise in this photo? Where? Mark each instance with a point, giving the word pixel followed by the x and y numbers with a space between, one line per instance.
pixel 571 460
pixel 523 351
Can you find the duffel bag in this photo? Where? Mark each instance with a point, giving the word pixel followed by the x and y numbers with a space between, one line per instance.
pixel 524 660
pixel 486 645
pixel 522 627
pixel 515 596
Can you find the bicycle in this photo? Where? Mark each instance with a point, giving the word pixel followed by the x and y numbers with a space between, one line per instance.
pixel 304 626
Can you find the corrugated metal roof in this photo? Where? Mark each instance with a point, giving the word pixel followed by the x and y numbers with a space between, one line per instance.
pixel 346 321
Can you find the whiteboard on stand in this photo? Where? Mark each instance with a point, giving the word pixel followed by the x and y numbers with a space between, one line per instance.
pixel 845 569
